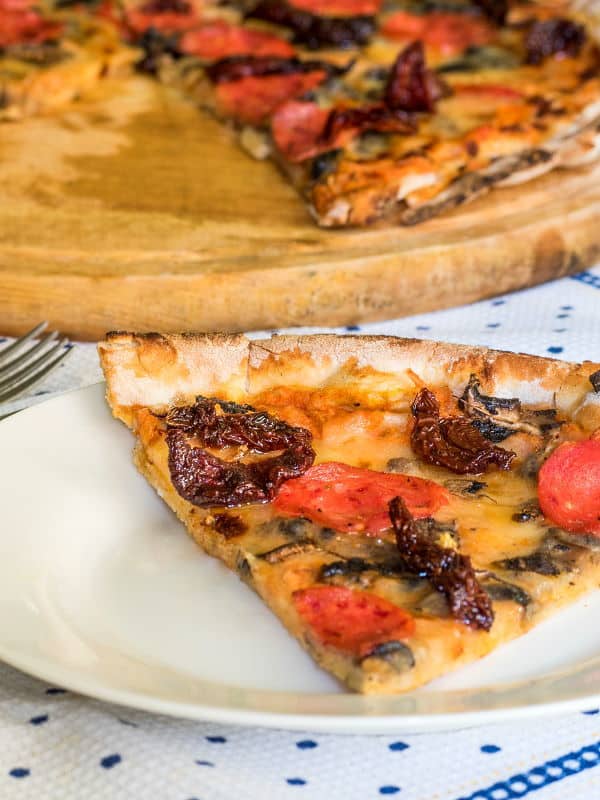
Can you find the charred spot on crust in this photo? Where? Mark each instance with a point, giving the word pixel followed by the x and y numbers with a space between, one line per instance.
pixel 229 525
pixel 316 31
pixel 552 37
pixel 595 380
pixel 448 571
pixel 395 653
pixel 204 479
pixel 452 442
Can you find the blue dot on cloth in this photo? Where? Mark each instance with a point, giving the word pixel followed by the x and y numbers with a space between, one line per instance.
pixel 562 316
pixel 352 327
pixel 555 349
pixel 566 308
pixel 306 744
pixel 295 781
pixel 397 747
pixel 389 789
pixel 498 302
pixel 493 325
pixel 39 720
pixel 19 772
pixel 54 690
pixel 423 327
pixel 108 762
pixel 591 712
pixel 204 763
pixel 490 748
pixel 216 739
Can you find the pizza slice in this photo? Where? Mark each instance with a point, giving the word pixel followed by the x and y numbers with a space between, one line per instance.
pixel 397 111
pixel 50 57
pixel 403 507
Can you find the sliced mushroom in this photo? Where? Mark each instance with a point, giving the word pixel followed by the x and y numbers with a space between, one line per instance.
pixel 554 556
pixel 401 466
pixel 497 418
pixel 360 571
pixel 501 590
pixel 285 551
pixel 397 654
pixel 528 512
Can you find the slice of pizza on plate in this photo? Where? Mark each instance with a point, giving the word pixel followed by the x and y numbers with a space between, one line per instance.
pixel 404 507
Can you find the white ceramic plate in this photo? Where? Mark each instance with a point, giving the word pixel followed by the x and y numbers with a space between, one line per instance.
pixel 101 591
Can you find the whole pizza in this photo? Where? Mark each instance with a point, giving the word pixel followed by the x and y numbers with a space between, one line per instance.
pixel 394 110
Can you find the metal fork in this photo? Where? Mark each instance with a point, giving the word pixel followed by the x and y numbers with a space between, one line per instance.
pixel 25 362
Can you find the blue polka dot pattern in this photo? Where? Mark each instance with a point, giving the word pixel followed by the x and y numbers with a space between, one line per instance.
pixel 296 781
pixel 19 772
pixel 204 763
pixel 216 739
pixel 490 748
pixel 493 325
pixel 398 747
pixel 498 302
pixel 588 278
pixel 592 712
pixel 389 789
pixel 306 744
pixel 353 327
pixel 39 720
pixel 555 349
pixel 108 762
pixel 423 327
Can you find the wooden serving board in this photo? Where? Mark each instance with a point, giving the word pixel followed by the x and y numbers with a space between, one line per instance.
pixel 134 210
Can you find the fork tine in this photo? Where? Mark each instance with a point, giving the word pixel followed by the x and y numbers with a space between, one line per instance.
pixel 30 368
pixel 15 388
pixel 18 343
pixel 24 358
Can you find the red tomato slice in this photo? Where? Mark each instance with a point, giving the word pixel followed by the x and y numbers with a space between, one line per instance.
pixel 351 620
pixel 569 486
pixel 139 20
pixel 20 25
pixel 219 39
pixel 449 33
pixel 254 99
pixel 489 90
pixel 338 8
pixel 355 500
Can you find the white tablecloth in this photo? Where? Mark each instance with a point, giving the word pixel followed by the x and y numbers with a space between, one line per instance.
pixel 56 745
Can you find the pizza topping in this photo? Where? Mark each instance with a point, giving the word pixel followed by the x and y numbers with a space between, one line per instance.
pixel 235 68
pixel 350 620
pixel 353 500
pixel 496 10
pixel 313 30
pixel 499 590
pixel 528 512
pixel 497 418
pixel 447 570
pixel 449 33
pixel 475 59
pixel 595 380
pixel 465 486
pixel 285 551
pixel 397 654
pixel 254 99
pixel 554 37
pixel 452 442
pixel 219 39
pixel 552 557
pixel 569 486
pixel 206 480
pixel 229 526
pixel 23 25
pixel 411 86
pixel 156 46
pixel 167 16
pixel 303 130
pixel 338 8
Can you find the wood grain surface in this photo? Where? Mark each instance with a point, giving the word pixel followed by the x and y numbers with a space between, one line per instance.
pixel 134 210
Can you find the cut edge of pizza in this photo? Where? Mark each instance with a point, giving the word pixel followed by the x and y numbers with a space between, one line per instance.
pixel 385 594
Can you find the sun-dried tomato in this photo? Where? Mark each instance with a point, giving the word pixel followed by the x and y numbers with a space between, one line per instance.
pixel 495 10
pixel 411 86
pixel 165 7
pixel 235 68
pixel 207 480
pixel 554 37
pixel 377 118
pixel 448 571
pixel 452 442
pixel 313 30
